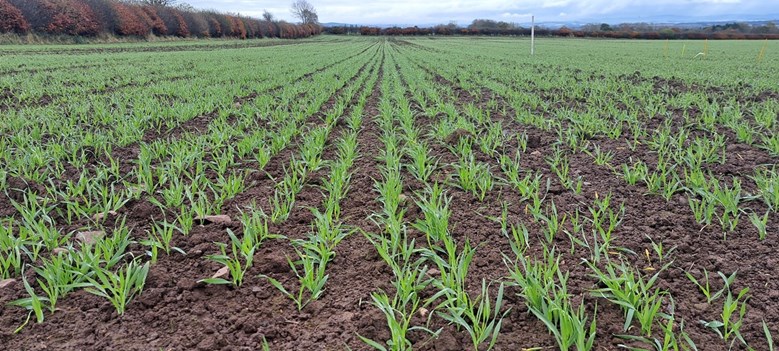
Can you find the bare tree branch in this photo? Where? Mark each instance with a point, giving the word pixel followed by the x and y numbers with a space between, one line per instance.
pixel 267 16
pixel 305 12
pixel 165 3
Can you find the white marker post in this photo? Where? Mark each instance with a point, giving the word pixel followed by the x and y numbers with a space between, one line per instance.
pixel 532 35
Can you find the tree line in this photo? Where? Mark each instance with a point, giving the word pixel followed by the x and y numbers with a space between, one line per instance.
pixel 603 30
pixel 143 18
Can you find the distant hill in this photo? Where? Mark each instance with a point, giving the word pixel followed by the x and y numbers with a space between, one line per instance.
pixel 713 23
pixel 662 21
pixel 335 24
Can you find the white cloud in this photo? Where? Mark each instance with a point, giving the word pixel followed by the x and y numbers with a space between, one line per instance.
pixel 555 3
pixel 464 11
pixel 511 15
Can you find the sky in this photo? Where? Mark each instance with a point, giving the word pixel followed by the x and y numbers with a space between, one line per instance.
pixel 425 12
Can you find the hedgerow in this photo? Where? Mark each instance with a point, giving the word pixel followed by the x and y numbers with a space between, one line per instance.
pixel 93 17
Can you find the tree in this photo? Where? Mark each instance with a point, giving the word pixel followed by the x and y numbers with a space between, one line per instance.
pixel 267 16
pixel 70 17
pixel 129 20
pixel 483 24
pixel 196 23
pixel 564 32
pixel 590 27
pixel 155 22
pixel 667 33
pixel 11 19
pixel 305 12
pixel 144 17
pixel 771 27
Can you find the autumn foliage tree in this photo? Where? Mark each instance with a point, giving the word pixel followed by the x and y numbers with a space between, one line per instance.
pixel 174 21
pixel 239 28
pixel 226 24
pixel 140 18
pixel 156 23
pixel 130 20
pixel 72 17
pixel 197 23
pixel 214 27
pixel 11 19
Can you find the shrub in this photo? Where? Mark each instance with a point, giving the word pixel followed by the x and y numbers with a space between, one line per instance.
pixel 104 14
pixel 239 28
pixel 11 19
pixel 197 23
pixel 131 18
pixel 129 21
pixel 252 28
pixel 154 21
pixel 214 28
pixel 226 23
pixel 270 30
pixel 174 21
pixel 72 17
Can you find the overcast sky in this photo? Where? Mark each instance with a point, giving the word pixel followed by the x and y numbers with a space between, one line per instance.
pixel 404 12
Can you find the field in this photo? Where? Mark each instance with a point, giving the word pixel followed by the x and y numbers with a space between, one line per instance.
pixel 390 193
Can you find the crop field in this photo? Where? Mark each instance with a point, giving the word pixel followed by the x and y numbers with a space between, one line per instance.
pixel 342 193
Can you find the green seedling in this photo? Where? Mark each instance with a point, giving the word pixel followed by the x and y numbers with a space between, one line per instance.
pixel 237 262
pixel 118 287
pixel 705 287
